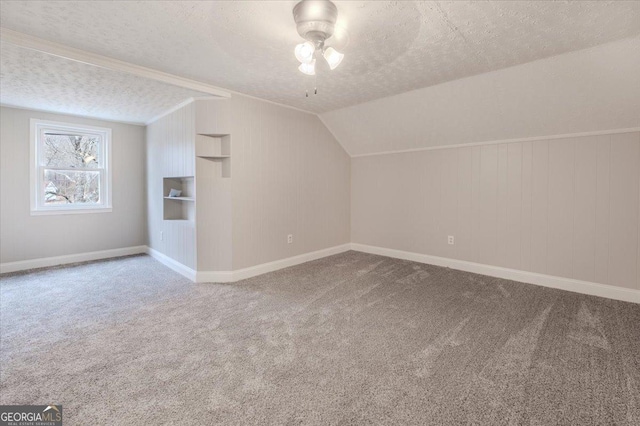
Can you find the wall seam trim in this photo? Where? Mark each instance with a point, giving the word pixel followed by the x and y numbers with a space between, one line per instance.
pixel 505 141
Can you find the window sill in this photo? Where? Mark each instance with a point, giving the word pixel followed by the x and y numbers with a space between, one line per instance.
pixel 45 212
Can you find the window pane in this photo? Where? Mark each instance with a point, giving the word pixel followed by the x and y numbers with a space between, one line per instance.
pixel 71 187
pixel 70 150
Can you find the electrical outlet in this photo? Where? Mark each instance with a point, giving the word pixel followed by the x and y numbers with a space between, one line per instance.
pixel 450 240
pixel 161 235
pixel 289 238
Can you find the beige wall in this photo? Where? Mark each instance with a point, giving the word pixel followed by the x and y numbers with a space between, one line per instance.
pixel 565 207
pixel 25 237
pixel 589 90
pixel 288 176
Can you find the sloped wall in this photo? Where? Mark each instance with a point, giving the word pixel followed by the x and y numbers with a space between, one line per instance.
pixel 590 90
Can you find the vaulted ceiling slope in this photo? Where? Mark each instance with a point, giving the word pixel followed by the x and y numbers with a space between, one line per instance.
pixel 247 46
pixel 592 90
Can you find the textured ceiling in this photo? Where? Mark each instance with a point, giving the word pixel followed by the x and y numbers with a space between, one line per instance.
pixel 30 79
pixel 247 46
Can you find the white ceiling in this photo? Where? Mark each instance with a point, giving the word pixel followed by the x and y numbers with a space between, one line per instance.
pixel 31 79
pixel 247 46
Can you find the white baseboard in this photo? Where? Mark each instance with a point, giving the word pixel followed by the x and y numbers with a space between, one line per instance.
pixel 70 258
pixel 568 284
pixel 252 271
pixel 171 263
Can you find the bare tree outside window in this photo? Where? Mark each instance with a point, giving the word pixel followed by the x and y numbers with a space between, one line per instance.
pixel 66 158
pixel 70 172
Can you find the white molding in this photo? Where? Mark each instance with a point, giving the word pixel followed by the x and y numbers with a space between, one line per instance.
pixel 44 262
pixel 214 277
pixel 252 271
pixel 41 45
pixel 171 263
pixel 568 284
pixel 504 141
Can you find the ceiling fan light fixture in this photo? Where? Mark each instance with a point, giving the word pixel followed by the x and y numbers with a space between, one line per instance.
pixel 308 68
pixel 333 57
pixel 316 22
pixel 304 52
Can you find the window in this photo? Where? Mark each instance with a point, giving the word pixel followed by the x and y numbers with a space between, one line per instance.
pixel 70 168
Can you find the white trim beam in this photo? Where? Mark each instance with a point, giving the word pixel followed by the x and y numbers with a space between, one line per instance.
pixel 34 43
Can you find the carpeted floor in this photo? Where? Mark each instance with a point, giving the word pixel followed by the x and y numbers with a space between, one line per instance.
pixel 349 339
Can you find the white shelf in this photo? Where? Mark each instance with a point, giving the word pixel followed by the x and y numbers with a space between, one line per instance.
pixel 183 207
pixel 217 149
pixel 180 198
pixel 214 157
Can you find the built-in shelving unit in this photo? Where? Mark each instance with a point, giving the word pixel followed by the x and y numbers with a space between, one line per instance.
pixel 217 148
pixel 182 207
pixel 190 150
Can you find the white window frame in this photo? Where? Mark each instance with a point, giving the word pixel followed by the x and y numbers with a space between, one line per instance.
pixel 38 207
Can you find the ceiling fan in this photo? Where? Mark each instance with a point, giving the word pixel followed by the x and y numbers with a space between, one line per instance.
pixel 316 22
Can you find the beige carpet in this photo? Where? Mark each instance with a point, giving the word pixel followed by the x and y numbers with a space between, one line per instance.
pixel 349 339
